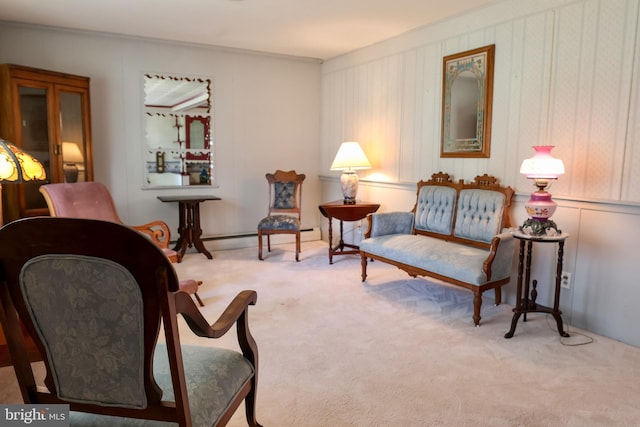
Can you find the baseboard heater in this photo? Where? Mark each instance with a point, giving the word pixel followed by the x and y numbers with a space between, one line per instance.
pixel 243 235
pixel 247 240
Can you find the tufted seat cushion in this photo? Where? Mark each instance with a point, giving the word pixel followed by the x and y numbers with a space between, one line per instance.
pixel 284 193
pixel 435 208
pixel 479 215
pixel 279 222
pixel 449 259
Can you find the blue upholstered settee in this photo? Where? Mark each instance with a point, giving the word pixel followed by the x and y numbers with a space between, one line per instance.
pixel 457 232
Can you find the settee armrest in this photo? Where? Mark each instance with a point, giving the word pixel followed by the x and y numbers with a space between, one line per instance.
pixel 499 262
pixel 382 224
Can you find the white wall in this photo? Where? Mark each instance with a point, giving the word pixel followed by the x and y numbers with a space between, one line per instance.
pixel 566 74
pixel 266 117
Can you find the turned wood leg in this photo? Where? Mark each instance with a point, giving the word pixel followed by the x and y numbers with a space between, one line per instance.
pixel 260 245
pixel 298 246
pixel 557 314
pixel 198 299
pixel 514 323
pixel 250 405
pixel 498 292
pixel 330 241
pixel 477 303
pixel 363 263
pixel 196 231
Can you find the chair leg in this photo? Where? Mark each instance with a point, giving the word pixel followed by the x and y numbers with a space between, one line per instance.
pixel 260 245
pixel 198 299
pixel 298 246
pixel 269 242
pixel 250 406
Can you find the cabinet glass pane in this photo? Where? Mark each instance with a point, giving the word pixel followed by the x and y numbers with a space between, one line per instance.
pixel 73 153
pixel 35 137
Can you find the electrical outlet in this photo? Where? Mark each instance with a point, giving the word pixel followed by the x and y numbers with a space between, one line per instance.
pixel 566 280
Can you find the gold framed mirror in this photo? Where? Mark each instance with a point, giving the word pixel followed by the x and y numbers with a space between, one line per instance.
pixel 467 98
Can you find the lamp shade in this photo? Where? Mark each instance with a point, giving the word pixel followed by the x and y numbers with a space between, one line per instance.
pixel 350 157
pixel 17 166
pixel 542 165
pixel 71 153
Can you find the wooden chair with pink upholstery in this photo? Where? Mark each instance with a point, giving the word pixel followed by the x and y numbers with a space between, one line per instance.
pixel 92 200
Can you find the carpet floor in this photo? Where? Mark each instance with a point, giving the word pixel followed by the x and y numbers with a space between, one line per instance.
pixel 398 351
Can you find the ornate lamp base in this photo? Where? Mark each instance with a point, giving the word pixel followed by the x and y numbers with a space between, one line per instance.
pixel 70 172
pixel 349 183
pixel 539 227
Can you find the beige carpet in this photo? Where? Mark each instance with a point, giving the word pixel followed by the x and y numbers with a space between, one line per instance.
pixel 397 351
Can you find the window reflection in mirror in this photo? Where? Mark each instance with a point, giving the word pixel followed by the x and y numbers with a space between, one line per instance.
pixel 179 145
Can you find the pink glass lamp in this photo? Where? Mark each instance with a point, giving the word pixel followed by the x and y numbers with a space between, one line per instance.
pixel 543 168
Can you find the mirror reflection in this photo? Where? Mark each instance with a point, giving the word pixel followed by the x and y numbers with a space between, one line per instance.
pixel 467 93
pixel 464 104
pixel 179 144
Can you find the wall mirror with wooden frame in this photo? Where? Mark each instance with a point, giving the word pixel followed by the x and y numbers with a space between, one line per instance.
pixel 467 98
pixel 177 131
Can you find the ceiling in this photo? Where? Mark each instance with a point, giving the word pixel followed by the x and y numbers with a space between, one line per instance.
pixel 319 29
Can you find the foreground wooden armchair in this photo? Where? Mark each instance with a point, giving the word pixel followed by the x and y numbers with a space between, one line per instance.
pixel 95 313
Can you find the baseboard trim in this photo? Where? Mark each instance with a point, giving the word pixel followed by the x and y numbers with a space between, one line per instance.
pixel 247 240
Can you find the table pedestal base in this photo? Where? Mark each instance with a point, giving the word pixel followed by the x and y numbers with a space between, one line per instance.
pixel 339 249
pixel 345 212
pixel 533 307
pixel 189 229
pixel 526 299
pixel 189 222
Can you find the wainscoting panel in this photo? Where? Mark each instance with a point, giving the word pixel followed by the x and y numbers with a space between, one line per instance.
pixel 605 284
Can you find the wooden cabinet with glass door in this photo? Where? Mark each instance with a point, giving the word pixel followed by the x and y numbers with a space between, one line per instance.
pixel 47 113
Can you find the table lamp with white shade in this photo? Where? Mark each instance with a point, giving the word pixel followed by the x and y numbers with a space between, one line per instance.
pixel 350 158
pixel 71 156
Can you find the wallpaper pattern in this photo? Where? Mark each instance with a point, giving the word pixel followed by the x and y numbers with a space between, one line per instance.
pixel 566 76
